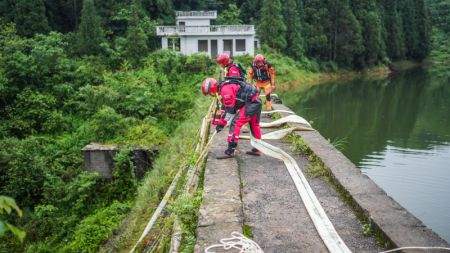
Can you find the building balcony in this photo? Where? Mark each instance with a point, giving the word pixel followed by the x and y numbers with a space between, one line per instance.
pixel 205 30
pixel 196 14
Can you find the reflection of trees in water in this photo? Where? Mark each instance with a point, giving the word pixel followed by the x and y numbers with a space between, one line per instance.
pixel 410 110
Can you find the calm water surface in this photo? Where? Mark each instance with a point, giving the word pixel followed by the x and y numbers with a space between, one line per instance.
pixel 397 131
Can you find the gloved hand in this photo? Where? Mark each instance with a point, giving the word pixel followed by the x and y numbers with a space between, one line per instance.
pixel 219 127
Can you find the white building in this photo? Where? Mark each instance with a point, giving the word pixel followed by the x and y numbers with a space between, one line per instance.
pixel 194 33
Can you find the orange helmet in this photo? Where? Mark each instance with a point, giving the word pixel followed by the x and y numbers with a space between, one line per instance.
pixel 224 60
pixel 258 59
pixel 209 86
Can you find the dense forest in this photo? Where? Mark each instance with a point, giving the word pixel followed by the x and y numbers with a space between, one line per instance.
pixel 77 71
pixel 349 33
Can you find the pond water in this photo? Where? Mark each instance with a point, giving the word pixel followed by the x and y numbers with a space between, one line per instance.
pixel 396 130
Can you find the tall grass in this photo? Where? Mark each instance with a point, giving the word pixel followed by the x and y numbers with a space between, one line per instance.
pixel 177 152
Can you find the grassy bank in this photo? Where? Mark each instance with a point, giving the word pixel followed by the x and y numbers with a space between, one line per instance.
pixel 439 60
pixel 295 75
pixel 177 152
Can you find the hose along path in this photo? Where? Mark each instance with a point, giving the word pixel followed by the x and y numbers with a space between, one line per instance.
pixel 324 227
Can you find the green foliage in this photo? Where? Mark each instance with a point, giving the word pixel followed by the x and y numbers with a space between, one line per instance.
pixel 106 124
pixel 316 23
pixel 393 32
pixel 38 62
pixel 230 16
pixel 298 145
pixel 340 143
pixel 33 112
pixel 440 55
pixel 8 204
pixel 367 229
pixel 440 14
pixel 250 11
pixel 371 24
pixel 96 228
pixel 90 33
pixel 176 152
pixel 247 231
pixel 123 177
pixel 29 16
pixel 347 36
pixel 66 104
pixel 145 134
pixel 23 170
pixel 53 103
pixel 294 38
pixel 271 27
pixel 186 209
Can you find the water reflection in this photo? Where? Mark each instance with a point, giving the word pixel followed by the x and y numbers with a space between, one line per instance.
pixel 398 132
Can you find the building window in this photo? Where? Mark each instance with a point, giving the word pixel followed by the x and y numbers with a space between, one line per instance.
pixel 182 26
pixel 240 45
pixel 256 44
pixel 228 47
pixel 173 44
pixel 202 45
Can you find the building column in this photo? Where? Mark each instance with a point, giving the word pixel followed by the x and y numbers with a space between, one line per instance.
pixel 219 46
pixel 164 42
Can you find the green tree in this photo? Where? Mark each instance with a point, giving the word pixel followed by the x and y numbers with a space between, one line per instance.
pixel 162 10
pixel 250 11
pixel 294 37
pixel 316 24
pixel 410 33
pixel 230 16
pixel 393 29
pixel 136 37
pixel 423 27
pixel 346 39
pixel 7 10
pixel 271 27
pixel 30 18
pixel 90 33
pixel 440 14
pixel 367 13
pixel 63 15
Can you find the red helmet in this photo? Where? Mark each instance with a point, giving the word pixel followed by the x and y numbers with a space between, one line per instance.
pixel 258 59
pixel 224 60
pixel 209 86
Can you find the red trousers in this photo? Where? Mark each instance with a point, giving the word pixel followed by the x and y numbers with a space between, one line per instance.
pixel 239 120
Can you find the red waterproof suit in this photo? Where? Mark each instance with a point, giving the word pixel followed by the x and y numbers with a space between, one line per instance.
pixel 232 70
pixel 245 112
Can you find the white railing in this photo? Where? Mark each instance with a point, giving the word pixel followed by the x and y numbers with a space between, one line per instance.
pixel 212 14
pixel 205 30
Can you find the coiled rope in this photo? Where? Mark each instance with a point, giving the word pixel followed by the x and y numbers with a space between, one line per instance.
pixel 236 241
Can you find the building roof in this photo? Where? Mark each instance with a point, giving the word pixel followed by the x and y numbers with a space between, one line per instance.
pixel 196 14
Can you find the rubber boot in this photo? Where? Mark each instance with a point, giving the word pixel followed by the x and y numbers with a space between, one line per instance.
pixel 230 152
pixel 254 152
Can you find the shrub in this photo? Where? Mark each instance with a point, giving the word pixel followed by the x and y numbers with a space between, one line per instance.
pixel 96 228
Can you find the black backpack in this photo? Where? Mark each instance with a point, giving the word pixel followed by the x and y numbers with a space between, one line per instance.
pixel 242 71
pixel 245 93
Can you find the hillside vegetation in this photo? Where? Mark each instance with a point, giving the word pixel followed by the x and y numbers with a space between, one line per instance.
pixel 79 71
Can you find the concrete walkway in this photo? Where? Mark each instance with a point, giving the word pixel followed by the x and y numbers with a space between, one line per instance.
pixel 258 192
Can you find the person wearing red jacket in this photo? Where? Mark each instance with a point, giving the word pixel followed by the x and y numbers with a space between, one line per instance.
pixel 227 63
pixel 241 105
pixel 264 74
